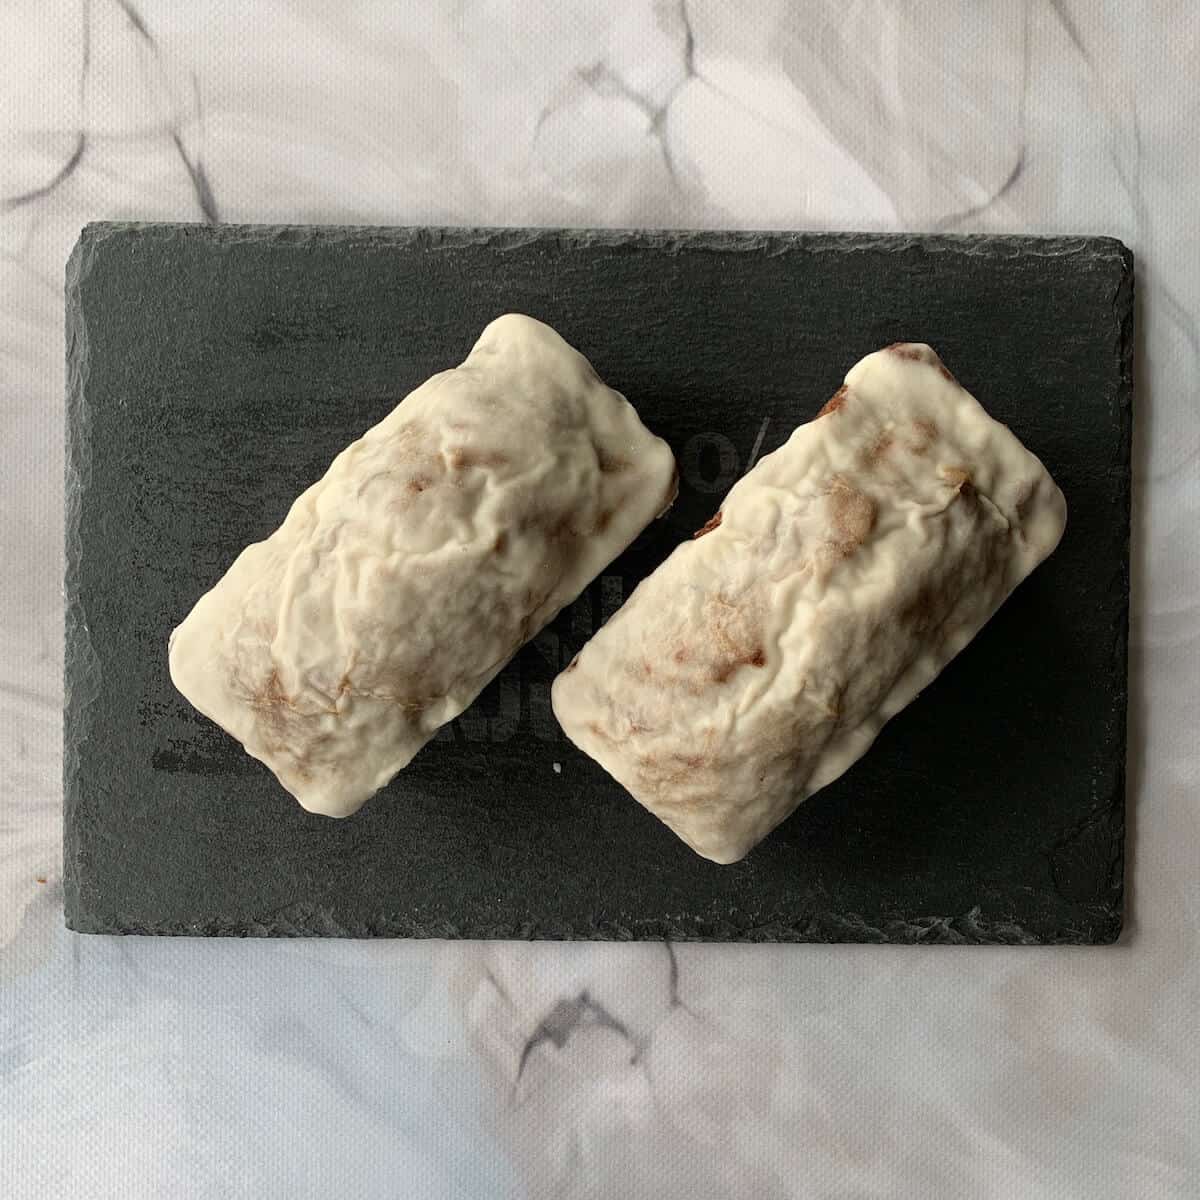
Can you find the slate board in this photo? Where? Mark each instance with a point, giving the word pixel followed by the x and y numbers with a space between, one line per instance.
pixel 214 372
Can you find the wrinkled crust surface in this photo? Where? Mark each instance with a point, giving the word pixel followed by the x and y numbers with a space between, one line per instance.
pixel 431 550
pixel 839 577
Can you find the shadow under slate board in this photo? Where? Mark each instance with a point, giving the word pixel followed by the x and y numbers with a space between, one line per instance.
pixel 213 373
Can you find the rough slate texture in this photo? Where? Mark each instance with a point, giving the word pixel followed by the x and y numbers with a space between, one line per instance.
pixel 214 372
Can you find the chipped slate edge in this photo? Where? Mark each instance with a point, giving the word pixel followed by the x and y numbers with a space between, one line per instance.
pixel 668 241
pixel 966 929
pixel 1123 302
pixel 81 669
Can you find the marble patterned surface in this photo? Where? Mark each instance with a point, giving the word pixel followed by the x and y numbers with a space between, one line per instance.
pixel 165 1068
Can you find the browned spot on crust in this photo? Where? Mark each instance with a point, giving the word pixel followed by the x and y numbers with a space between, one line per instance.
pixel 572 665
pixel 640 669
pixel 712 523
pixel 287 726
pixel 836 401
pixel 611 464
pixel 924 354
pixel 672 765
pixel 723 672
pixel 960 480
pixel 271 693
pixel 560 529
pixel 851 516
pixel 501 543
pixel 417 485
pixel 874 454
pixel 462 458
pixel 603 518
pixel 730 638
pixel 297 730
pixel 405 701
pixel 927 433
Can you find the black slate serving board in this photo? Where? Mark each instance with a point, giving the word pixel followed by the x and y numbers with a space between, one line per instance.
pixel 214 372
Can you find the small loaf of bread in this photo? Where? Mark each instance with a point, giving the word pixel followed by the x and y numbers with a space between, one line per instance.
pixel 432 549
pixel 839 577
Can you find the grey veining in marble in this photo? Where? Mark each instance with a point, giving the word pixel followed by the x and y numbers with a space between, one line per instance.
pixel 163 1067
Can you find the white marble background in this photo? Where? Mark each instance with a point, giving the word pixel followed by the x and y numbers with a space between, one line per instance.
pixel 151 1068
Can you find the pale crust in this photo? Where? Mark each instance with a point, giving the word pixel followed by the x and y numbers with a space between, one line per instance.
pixel 430 551
pixel 839 577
